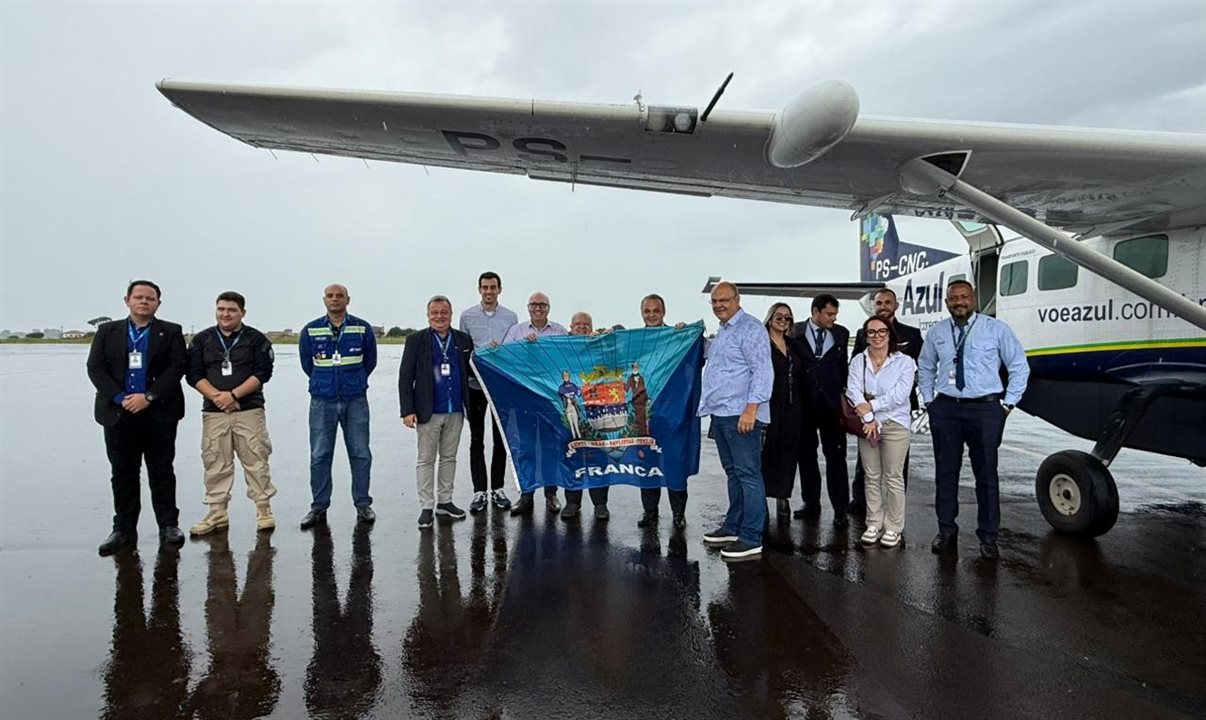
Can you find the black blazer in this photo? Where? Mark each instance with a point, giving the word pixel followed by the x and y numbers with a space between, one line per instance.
pixel 416 378
pixel 910 344
pixel 166 361
pixel 824 378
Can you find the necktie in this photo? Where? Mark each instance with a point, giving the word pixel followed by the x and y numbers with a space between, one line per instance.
pixel 820 335
pixel 959 360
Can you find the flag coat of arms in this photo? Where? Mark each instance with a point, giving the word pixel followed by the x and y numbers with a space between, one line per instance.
pixel 583 412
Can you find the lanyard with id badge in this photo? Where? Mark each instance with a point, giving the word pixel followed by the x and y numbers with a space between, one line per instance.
pixel 135 357
pixel 953 376
pixel 445 366
pixel 227 368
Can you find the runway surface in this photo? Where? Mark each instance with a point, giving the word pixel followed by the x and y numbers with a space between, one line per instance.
pixel 500 617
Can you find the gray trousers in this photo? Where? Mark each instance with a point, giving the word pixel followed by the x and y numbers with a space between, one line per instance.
pixel 440 435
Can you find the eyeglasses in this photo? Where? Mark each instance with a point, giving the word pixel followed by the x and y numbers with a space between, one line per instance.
pixel 881 332
pixel 788 318
pixel 723 300
pixel 538 305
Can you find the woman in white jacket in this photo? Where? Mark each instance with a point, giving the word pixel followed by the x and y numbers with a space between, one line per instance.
pixel 881 378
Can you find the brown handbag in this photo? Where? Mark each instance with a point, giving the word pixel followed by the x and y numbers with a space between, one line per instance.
pixel 848 419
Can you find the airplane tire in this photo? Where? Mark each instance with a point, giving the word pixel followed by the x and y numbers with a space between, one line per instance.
pixel 1076 494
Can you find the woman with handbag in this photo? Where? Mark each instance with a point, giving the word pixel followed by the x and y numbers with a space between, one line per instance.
pixel 779 444
pixel 881 379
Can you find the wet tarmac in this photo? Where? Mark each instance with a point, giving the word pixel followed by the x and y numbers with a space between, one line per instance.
pixel 500 617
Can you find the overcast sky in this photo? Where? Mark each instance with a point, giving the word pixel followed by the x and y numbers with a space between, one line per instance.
pixel 101 180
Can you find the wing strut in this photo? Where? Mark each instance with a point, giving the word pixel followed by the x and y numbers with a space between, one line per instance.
pixel 921 177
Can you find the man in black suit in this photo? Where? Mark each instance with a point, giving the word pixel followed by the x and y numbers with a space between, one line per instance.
pixel 824 379
pixel 433 391
pixel 910 344
pixel 136 365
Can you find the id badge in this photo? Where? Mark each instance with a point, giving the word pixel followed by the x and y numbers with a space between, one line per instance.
pixel 445 370
pixel 336 359
pixel 951 379
pixel 136 360
pixel 227 369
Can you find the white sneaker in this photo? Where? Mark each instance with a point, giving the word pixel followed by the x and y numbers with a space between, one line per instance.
pixel 890 539
pixel 871 535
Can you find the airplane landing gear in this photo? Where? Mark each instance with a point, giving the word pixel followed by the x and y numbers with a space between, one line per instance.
pixel 1075 490
pixel 1076 494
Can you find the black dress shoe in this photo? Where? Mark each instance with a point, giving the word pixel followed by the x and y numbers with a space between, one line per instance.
pixel 116 541
pixel 523 505
pixel 989 551
pixel 808 512
pixel 943 542
pixel 171 535
pixel 552 504
pixel 312 518
pixel 840 520
pixel 367 516
pixel 648 519
pixel 680 520
pixel 602 513
pixel 571 511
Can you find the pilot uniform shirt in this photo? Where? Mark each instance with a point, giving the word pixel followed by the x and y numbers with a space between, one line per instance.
pixel 989 344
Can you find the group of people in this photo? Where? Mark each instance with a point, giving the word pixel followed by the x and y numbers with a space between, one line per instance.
pixel 957 370
pixel 773 391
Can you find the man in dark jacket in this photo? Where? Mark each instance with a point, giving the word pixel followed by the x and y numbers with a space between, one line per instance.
pixel 229 364
pixel 910 344
pixel 136 365
pixel 824 379
pixel 433 392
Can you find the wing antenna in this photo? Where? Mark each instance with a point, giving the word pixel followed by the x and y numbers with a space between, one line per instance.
pixel 719 91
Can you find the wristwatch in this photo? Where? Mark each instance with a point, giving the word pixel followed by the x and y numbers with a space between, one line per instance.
pixel 1007 406
pixel 150 396
pixel 869 417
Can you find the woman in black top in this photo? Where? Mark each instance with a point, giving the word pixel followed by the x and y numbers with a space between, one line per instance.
pixel 779 446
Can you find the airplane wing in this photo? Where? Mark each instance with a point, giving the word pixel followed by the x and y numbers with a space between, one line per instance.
pixel 842 291
pixel 1069 177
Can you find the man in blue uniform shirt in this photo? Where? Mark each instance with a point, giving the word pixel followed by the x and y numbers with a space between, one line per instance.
pixel 960 381
pixel 338 352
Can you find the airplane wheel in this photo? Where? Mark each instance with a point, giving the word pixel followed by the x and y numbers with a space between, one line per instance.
pixel 1077 494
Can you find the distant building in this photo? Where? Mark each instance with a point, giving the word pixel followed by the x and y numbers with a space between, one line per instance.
pixel 74 334
pixel 379 330
pixel 53 334
pixel 7 334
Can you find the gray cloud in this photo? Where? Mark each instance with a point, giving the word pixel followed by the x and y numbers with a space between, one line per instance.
pixel 102 180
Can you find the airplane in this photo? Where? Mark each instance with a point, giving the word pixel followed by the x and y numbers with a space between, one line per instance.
pixel 1118 353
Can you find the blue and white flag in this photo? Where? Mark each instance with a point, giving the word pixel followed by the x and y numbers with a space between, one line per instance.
pixel 584 412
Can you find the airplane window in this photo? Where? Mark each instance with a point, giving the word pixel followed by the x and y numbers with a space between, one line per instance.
pixel 1148 255
pixel 1013 278
pixel 1056 272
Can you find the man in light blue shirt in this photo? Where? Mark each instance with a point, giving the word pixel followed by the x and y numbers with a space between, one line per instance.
pixel 960 382
pixel 487 323
pixel 737 382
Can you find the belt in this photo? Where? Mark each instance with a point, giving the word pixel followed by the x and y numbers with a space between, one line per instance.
pixel 994 397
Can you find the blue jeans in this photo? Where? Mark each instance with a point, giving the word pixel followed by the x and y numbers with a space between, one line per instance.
pixel 325 417
pixel 741 458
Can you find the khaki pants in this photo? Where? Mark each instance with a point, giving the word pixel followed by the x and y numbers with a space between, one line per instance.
pixel 441 434
pixel 884 467
pixel 222 436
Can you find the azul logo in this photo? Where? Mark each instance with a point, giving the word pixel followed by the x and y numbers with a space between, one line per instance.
pixel 923 299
